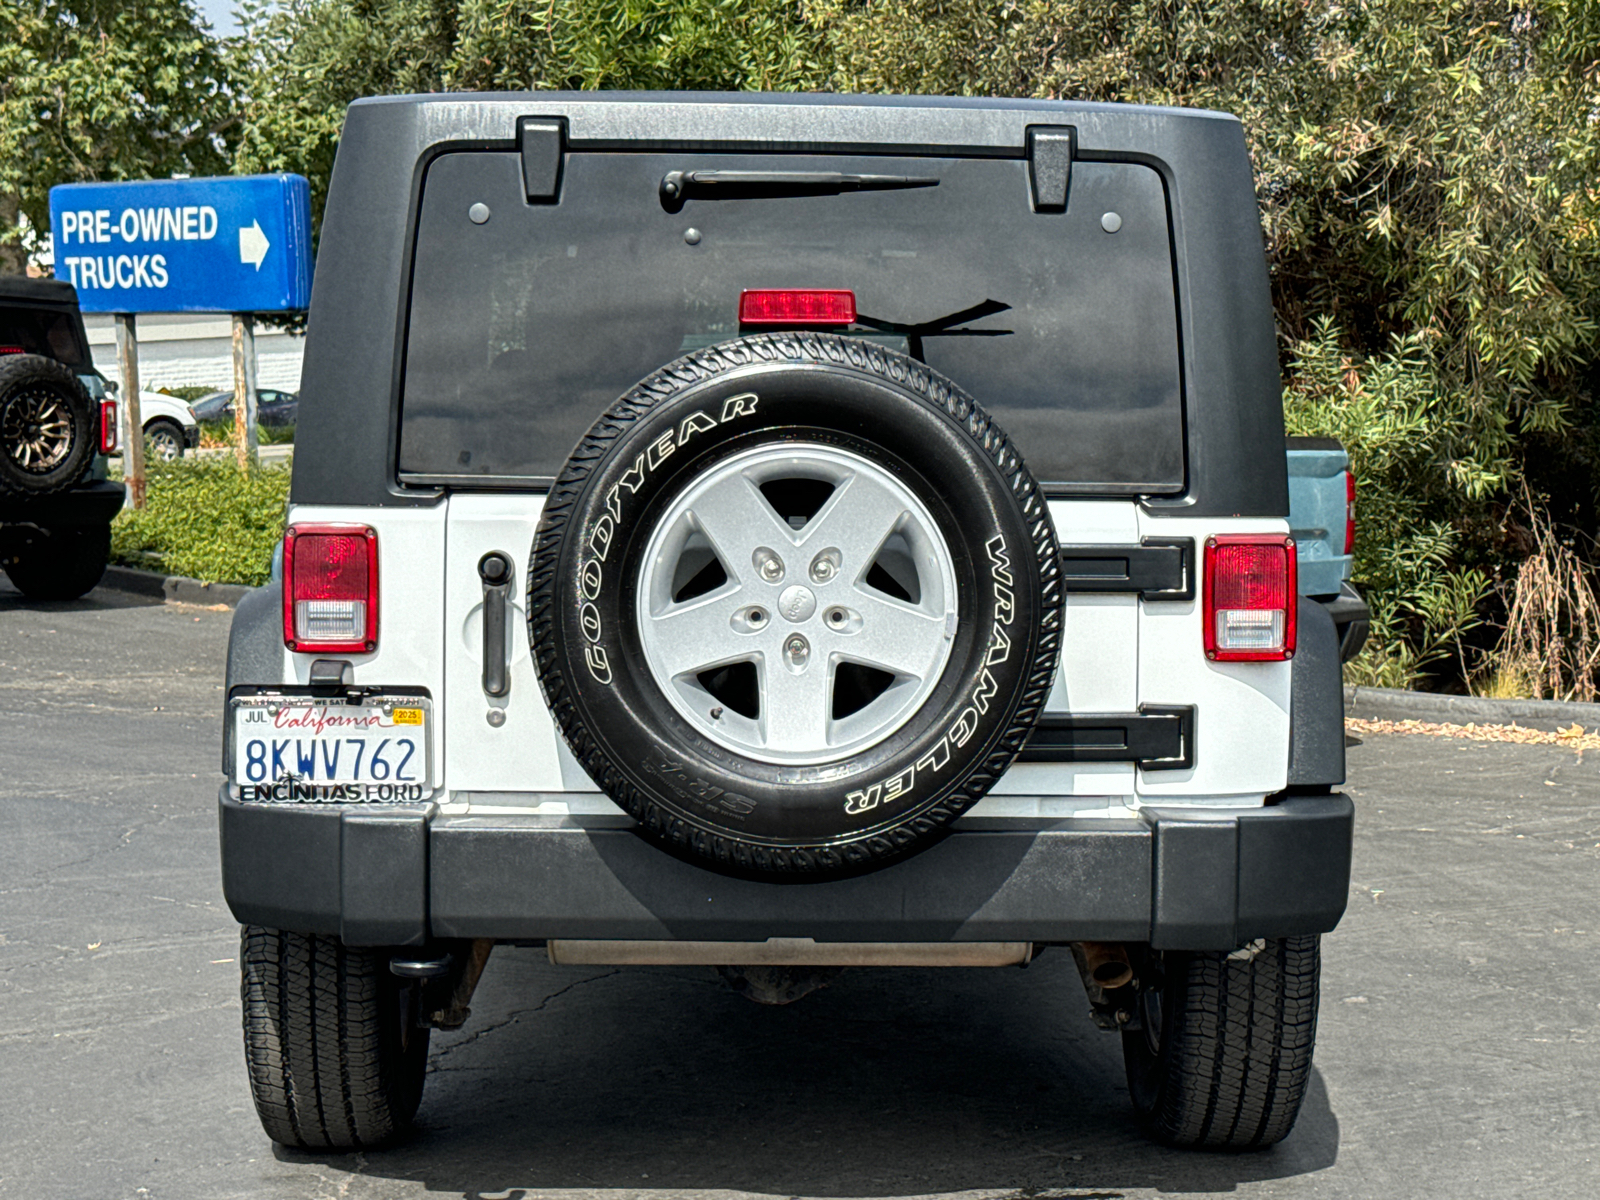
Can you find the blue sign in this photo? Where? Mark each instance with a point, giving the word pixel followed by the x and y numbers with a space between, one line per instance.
pixel 233 244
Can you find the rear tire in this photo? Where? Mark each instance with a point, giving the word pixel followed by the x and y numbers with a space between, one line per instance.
pixel 64 565
pixel 1225 1055
pixel 333 1062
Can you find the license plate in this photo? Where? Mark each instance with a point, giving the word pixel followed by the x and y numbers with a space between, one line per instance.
pixel 299 748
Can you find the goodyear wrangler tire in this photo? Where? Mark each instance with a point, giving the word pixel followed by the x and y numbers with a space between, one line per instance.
pixel 1223 1056
pixel 795 604
pixel 334 1063
pixel 47 425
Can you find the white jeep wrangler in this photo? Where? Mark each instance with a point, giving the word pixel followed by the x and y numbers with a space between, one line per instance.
pixel 784 534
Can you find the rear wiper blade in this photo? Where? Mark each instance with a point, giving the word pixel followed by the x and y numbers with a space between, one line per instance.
pixel 678 186
pixel 940 326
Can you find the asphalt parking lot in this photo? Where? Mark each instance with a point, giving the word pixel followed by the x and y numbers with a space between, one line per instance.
pixel 1457 1053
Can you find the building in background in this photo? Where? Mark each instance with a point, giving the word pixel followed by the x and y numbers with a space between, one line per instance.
pixel 196 350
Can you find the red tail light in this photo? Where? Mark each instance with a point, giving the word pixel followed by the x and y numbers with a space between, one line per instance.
pixel 108 426
pixel 330 588
pixel 1251 592
pixel 797 306
pixel 1349 512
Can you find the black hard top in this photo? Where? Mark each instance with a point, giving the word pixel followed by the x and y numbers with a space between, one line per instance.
pixel 1233 421
pixel 19 289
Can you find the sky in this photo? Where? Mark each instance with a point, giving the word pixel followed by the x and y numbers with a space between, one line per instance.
pixel 220 14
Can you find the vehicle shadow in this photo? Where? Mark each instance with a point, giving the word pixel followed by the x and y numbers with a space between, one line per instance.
pixel 889 1083
pixel 101 599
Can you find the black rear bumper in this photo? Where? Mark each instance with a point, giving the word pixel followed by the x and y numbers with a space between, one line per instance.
pixel 1175 878
pixel 87 504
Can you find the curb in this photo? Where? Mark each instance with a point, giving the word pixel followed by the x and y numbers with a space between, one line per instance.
pixel 173 589
pixel 1393 704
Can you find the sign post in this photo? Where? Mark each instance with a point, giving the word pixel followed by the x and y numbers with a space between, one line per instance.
pixel 244 387
pixel 237 244
pixel 128 369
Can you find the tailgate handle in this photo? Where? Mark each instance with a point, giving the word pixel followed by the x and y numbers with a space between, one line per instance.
pixel 495 569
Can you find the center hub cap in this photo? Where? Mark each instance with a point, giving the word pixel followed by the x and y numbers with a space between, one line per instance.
pixel 797 603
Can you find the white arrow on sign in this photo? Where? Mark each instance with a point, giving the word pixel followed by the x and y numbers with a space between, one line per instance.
pixel 253 244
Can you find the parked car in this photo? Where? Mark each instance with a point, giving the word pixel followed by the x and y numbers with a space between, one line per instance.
pixel 273 407
pixel 1322 520
pixel 57 422
pixel 170 427
pixel 787 533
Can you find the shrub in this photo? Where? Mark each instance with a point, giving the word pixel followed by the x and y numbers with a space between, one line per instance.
pixel 1393 414
pixel 205 518
pixel 214 434
pixel 1550 648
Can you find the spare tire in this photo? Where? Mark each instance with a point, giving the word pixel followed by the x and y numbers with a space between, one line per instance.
pixel 795 603
pixel 47 434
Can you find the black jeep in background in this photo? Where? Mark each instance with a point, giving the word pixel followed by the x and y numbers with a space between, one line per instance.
pixel 56 420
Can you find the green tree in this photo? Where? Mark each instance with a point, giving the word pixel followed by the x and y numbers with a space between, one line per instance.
pixel 1425 170
pixel 96 89
pixel 301 63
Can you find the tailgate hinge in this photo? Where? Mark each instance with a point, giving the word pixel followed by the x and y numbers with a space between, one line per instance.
pixel 1157 738
pixel 1157 568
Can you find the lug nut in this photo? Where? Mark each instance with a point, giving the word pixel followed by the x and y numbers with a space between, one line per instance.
pixel 768 565
pixel 825 566
pixel 749 620
pixel 798 651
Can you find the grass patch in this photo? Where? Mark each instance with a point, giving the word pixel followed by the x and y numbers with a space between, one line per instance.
pixel 207 519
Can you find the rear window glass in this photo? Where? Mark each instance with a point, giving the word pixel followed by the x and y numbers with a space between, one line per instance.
pixel 38 331
pixel 526 326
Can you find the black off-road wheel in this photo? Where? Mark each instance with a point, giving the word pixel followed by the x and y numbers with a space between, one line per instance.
pixel 47 426
pixel 62 564
pixel 1224 1057
pixel 335 1062
pixel 795 603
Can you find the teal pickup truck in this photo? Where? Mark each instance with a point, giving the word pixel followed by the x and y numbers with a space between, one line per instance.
pixel 1322 520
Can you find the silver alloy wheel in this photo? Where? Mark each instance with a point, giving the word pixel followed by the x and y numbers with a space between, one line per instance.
pixel 827 630
pixel 165 444
pixel 38 430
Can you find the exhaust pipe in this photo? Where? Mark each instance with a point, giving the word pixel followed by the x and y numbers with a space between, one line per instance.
pixel 1104 964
